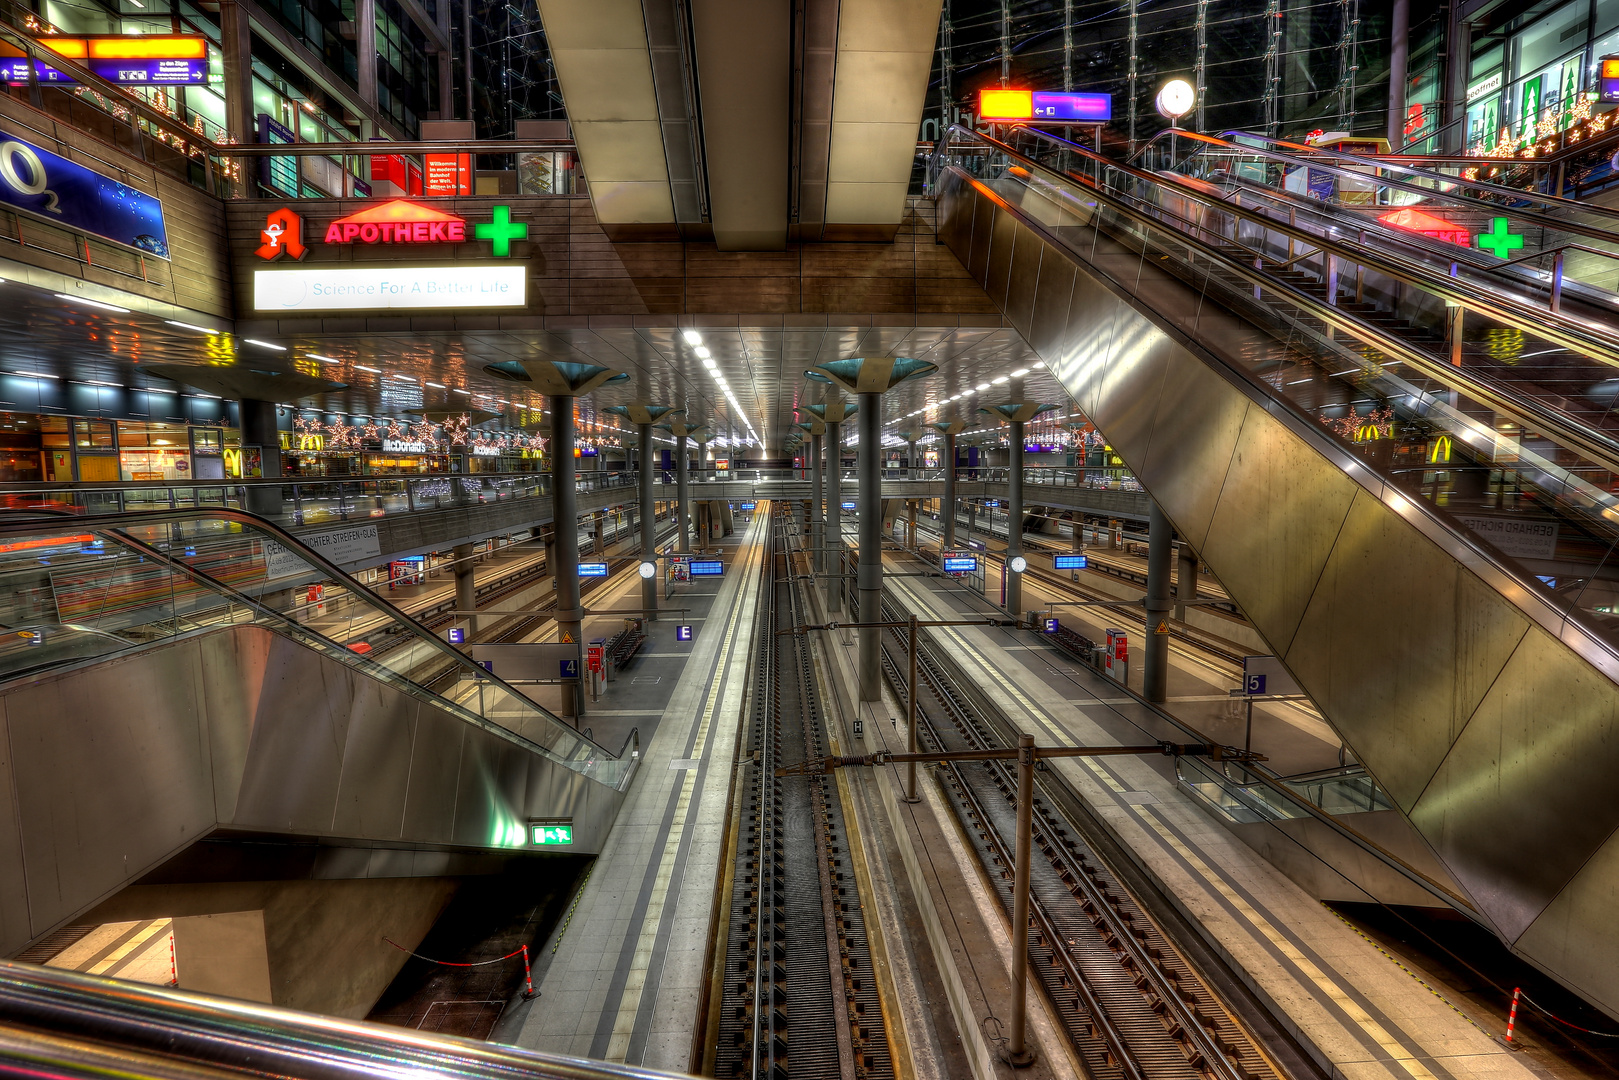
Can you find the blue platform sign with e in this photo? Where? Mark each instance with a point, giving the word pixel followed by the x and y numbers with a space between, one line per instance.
pixel 707 568
pixel 592 569
pixel 683 633
pixel 49 186
pixel 458 635
pixel 569 668
pixel 1052 625
pixel 1069 562
pixel 961 564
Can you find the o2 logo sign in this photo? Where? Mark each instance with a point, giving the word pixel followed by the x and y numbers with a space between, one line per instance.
pixel 30 179
pixel 36 181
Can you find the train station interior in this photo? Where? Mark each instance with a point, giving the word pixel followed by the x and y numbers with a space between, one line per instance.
pixel 800 539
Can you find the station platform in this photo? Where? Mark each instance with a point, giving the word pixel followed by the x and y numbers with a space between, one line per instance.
pixel 621 977
pixel 1346 1003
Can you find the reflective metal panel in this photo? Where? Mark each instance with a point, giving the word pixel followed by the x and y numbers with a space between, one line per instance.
pixel 435 765
pixel 1280 509
pixel 1127 400
pixel 296 753
pixel 376 764
pixel 1577 935
pixel 1526 795
pixel 1199 417
pixel 14 924
pixel 1400 698
pixel 1024 279
pixel 1004 232
pixel 1048 316
pixel 982 233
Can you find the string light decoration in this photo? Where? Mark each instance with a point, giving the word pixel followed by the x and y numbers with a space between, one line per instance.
pixel 434 438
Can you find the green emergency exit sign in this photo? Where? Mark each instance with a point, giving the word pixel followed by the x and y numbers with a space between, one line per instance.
pixel 551 834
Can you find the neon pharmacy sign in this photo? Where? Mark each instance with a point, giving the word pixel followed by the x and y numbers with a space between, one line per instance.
pixel 398 222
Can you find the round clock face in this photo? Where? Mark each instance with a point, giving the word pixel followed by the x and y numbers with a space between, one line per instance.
pixel 648 569
pixel 1018 564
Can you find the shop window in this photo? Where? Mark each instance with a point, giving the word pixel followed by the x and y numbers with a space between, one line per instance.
pixel 94 435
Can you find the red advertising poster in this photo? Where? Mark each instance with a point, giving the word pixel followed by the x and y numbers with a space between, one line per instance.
pixel 405 175
pixel 449 174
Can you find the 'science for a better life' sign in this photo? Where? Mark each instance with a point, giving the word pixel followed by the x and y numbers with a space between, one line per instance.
pixel 368 288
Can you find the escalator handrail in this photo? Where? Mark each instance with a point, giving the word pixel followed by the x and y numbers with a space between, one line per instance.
pixel 117 523
pixel 62 1023
pixel 1561 622
pixel 1595 444
pixel 1562 328
pixel 1483 185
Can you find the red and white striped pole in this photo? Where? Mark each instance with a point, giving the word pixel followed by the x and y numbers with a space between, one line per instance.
pixel 1512 1017
pixel 174 972
pixel 528 979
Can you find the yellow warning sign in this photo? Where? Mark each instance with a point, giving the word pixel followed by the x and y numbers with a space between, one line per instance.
pixel 565 637
pixel 1162 627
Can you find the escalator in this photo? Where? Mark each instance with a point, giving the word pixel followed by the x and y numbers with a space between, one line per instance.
pixel 1416 508
pixel 177 676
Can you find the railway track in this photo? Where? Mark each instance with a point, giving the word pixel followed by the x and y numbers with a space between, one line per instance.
pixel 1132 1006
pixel 800 997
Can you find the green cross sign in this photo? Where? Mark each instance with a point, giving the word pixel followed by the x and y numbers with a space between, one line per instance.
pixel 503 230
pixel 551 834
pixel 1498 239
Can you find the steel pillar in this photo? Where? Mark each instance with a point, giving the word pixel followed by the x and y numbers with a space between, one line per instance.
pixel 817 508
pixel 1017 1046
pixel 649 520
pixel 1014 520
pixel 682 507
pixel 1155 649
pixel 947 507
pixel 870 579
pixel 1185 580
pixel 466 587
pixel 834 501
pixel 565 527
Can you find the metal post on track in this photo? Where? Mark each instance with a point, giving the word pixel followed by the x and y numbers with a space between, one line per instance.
pixel 911 745
pixel 1018 1052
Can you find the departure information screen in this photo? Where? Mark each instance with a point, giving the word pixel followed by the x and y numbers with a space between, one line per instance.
pixel 712 568
pixel 1069 562
pixel 961 564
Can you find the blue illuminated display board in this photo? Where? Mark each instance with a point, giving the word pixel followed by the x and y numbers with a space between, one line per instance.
pixel 592 569
pixel 748 506
pixel 961 564
pixel 49 186
pixel 1069 562
pixel 1081 108
pixel 848 506
pixel 710 568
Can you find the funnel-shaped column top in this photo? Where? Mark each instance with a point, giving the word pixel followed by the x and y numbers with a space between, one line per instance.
pixel 835 413
pixel 641 414
pixel 871 374
pixel 1018 411
pixel 563 378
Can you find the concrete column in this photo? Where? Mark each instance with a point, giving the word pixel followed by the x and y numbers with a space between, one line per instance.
pixel 911 471
pixel 947 508
pixel 259 429
pixel 870 579
pixel 682 507
pixel 236 43
pixel 365 49
pixel 466 588
pixel 1185 580
pixel 1155 648
pixel 598 529
pixel 834 502
pixel 817 509
pixel 649 518
pixel 1399 51
pixel 910 522
pixel 1014 520
pixel 565 524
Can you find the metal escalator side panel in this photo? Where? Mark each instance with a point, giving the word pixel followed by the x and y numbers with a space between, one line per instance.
pixel 1429 660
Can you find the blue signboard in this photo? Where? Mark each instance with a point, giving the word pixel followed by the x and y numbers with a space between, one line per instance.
pixel 682 633
pixel 125 72
pixel 848 506
pixel 1052 626
pixel 1081 108
pixel 592 569
pixel 710 568
pixel 1069 562
pixel 1253 685
pixel 47 185
pixel 458 636
pixel 961 564
pixel 748 506
pixel 570 668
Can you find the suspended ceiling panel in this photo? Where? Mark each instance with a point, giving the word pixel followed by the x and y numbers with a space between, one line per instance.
pixel 605 67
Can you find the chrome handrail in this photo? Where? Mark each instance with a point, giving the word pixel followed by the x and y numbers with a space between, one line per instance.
pixel 64 1024
pixel 1594 443
pixel 117 523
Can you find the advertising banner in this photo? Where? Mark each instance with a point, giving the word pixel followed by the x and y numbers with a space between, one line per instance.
pixel 410 288
pixel 49 186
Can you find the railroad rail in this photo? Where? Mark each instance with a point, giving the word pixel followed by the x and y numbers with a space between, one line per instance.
pixel 800 996
pixel 1133 1007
